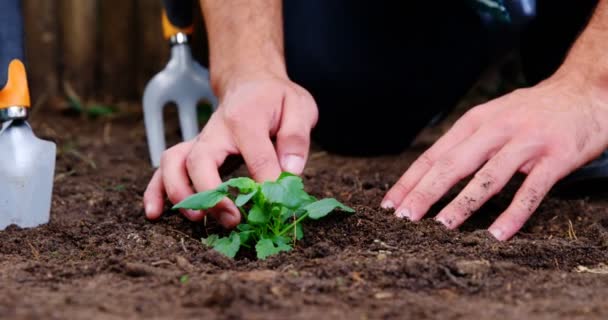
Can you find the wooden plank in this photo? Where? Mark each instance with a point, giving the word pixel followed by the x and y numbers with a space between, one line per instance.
pixel 41 45
pixel 117 49
pixel 152 50
pixel 79 45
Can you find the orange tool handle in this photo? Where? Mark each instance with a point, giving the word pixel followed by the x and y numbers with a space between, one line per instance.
pixel 177 17
pixel 14 89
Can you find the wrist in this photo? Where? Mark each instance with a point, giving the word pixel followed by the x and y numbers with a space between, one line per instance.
pixel 246 64
pixel 222 79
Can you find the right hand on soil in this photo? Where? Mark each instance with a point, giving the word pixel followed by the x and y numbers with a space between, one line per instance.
pixel 253 109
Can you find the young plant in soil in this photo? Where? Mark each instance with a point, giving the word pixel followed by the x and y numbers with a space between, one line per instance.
pixel 273 212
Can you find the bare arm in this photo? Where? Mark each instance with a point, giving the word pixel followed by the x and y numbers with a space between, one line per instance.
pixel 257 102
pixel 244 36
pixel 545 132
pixel 588 57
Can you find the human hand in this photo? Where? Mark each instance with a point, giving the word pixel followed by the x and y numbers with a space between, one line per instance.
pixel 253 108
pixel 546 132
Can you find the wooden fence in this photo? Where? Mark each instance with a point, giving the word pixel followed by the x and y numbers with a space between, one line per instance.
pixel 103 49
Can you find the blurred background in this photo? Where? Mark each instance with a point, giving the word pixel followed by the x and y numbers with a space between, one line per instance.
pixel 97 50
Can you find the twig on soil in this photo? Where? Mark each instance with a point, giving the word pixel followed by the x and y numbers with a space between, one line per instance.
pixel 35 251
pixel 571 232
pixel 453 278
pixel 63 175
pixel 161 262
pixel 83 158
pixel 183 234
pixel 183 245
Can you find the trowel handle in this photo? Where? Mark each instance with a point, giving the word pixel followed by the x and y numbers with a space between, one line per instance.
pixel 177 17
pixel 13 81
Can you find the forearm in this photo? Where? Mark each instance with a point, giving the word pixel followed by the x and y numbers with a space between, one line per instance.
pixel 244 36
pixel 588 57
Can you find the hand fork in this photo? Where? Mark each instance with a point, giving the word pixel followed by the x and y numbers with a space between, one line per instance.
pixel 183 81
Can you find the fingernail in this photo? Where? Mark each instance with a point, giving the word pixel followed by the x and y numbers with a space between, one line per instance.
pixel 293 163
pixel 497 233
pixel 442 221
pixel 387 204
pixel 149 208
pixel 228 220
pixel 403 213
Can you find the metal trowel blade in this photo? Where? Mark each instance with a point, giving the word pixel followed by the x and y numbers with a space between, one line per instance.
pixel 27 167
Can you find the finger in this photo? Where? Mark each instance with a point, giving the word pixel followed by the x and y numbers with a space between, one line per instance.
pixel 175 177
pixel 526 200
pixel 202 165
pixel 461 161
pixel 487 182
pixel 462 129
pixel 258 152
pixel 293 138
pixel 154 196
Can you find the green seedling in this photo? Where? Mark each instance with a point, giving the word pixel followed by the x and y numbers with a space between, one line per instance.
pixel 273 212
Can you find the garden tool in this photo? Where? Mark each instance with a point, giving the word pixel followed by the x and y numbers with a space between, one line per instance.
pixel 183 81
pixel 27 164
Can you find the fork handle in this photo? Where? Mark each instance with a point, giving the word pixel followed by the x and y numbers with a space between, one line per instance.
pixel 177 17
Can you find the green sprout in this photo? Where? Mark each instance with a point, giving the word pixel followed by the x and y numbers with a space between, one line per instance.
pixel 273 212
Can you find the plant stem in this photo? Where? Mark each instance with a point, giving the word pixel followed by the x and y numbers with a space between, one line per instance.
pixel 293 225
pixel 243 213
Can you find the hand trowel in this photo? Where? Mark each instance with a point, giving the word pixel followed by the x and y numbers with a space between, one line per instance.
pixel 27 164
pixel 183 81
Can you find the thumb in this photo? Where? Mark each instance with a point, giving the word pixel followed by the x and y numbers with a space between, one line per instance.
pixel 293 138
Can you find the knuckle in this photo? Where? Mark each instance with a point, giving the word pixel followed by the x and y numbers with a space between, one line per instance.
pixel 425 160
pixel 173 194
pixel 258 164
pixel 446 165
pixel 166 156
pixel 401 187
pixel 465 205
pixel 233 117
pixel 487 180
pixel 473 115
pixel 191 162
pixel 293 137
pixel 421 196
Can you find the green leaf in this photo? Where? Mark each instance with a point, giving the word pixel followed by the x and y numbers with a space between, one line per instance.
pixel 210 240
pixel 268 247
pixel 203 200
pixel 321 208
pixel 288 190
pixel 228 246
pixel 285 174
pixel 246 236
pixel 273 191
pixel 97 110
pixel 257 216
pixel 299 231
pixel 242 199
pixel 245 185
pixel 244 227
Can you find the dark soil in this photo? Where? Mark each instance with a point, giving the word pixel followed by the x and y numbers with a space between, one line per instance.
pixel 100 258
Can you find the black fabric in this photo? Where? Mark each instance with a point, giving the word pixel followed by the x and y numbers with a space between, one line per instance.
pixel 548 38
pixel 179 12
pixel 381 70
pixel 11 36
